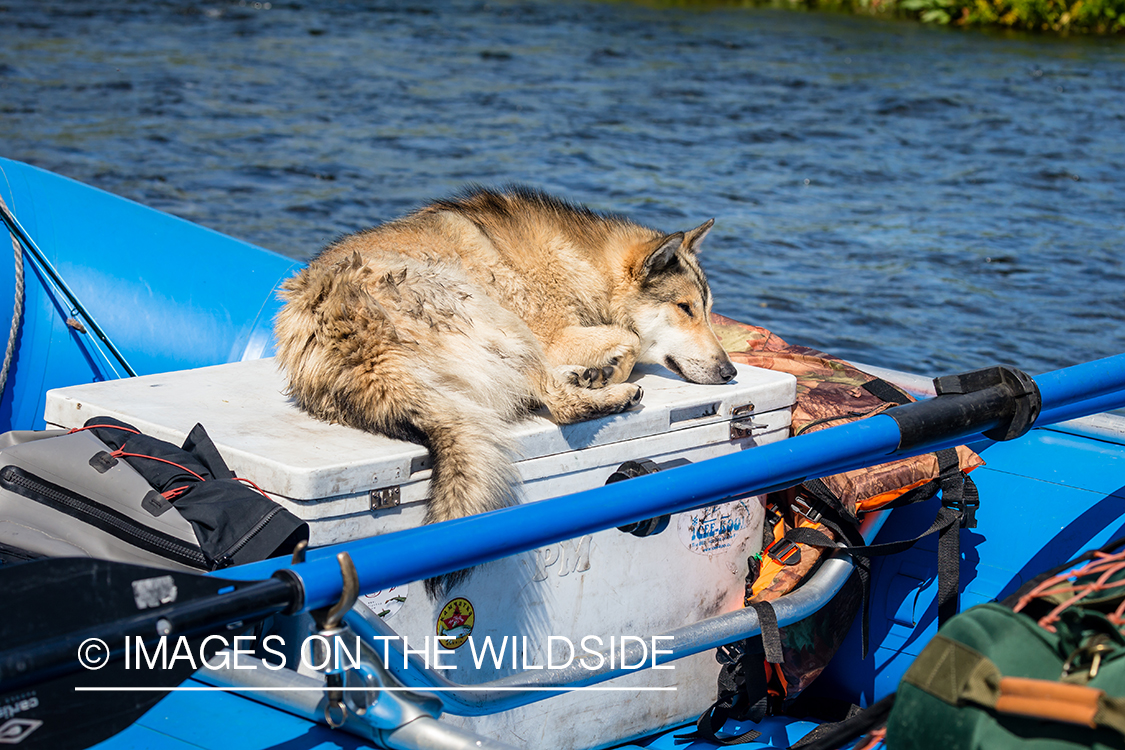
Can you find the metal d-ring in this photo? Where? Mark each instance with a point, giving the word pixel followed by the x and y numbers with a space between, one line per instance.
pixel 1089 652
pixel 335 710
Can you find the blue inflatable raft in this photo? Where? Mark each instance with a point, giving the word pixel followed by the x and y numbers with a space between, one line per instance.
pixel 111 288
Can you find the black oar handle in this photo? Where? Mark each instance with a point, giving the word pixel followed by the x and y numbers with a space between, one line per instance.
pixel 244 605
pixel 1000 402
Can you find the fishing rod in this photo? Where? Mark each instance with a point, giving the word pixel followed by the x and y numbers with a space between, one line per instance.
pixel 41 642
pixel 47 269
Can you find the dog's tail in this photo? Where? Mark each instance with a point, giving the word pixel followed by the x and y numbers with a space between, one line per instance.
pixel 394 351
pixel 472 467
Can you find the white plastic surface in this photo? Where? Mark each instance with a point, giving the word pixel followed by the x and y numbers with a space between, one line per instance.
pixel 265 437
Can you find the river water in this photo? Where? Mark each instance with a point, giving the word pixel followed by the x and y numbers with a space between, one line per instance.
pixel 914 197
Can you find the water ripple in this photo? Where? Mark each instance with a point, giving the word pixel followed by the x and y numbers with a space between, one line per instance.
pixel 910 196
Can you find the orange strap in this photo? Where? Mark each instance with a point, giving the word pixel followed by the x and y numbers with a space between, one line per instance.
pixel 1046 699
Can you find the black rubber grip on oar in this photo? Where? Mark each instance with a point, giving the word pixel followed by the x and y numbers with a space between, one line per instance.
pixel 1000 402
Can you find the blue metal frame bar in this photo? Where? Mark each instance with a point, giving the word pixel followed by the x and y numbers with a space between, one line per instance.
pixel 1081 409
pixel 393 559
pixel 1090 381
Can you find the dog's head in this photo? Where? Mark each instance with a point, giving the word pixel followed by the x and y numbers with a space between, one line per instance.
pixel 670 307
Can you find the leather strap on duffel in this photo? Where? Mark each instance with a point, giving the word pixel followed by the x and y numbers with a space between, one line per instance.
pixel 957 675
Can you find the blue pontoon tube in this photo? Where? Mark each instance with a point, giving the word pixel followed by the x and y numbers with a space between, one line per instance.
pixel 169 294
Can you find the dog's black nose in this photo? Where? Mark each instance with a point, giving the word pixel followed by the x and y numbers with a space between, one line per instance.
pixel 727 372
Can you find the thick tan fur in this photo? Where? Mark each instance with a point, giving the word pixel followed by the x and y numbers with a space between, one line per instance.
pixel 448 324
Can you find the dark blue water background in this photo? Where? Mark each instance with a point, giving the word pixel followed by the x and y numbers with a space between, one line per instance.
pixel 920 198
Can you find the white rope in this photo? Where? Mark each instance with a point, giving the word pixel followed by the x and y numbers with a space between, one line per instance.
pixel 17 313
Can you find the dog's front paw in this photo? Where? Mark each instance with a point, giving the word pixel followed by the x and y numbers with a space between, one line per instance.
pixel 619 366
pixel 612 373
pixel 586 377
pixel 579 377
pixel 619 398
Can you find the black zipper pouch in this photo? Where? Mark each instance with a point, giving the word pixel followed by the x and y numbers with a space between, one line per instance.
pixel 109 491
pixel 234 523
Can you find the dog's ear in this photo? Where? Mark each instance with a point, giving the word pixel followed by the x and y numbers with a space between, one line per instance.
pixel 694 238
pixel 661 254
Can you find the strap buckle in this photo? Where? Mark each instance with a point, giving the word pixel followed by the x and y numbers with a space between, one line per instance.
pixel 802 505
pixel 729 652
pixel 784 551
pixel 969 509
pixel 773 516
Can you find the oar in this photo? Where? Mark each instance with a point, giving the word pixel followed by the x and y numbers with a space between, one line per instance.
pixel 54 611
pixel 912 429
pixel 79 622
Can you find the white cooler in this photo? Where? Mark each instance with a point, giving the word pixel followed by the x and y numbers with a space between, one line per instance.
pixel 349 484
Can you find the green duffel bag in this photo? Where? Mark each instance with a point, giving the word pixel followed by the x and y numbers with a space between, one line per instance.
pixel 1051 675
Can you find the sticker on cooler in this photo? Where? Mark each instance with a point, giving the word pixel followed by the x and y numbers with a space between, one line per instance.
pixel 455 623
pixel 385 603
pixel 718 527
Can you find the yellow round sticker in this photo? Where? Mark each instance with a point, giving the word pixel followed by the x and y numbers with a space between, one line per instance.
pixel 455 623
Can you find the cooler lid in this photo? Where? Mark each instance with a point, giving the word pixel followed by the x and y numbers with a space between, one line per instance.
pixel 264 437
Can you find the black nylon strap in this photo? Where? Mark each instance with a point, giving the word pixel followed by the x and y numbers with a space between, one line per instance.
pixel 771 634
pixel 804 535
pixel 970 501
pixel 946 519
pixel 863 572
pixel 919 494
pixel 949 540
pixel 884 391
pixel 706 731
pixel 949 564
pixel 951 479
pixel 734 689
pixel 825 502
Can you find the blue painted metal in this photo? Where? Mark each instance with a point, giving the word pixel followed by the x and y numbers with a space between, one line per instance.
pixel 221 721
pixel 393 559
pixel 1077 409
pixel 170 294
pixel 1084 382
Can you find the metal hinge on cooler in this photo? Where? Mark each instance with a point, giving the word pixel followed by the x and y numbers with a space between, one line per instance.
pixel 387 497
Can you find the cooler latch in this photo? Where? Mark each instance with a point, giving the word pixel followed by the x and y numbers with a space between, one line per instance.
pixel 387 497
pixel 741 423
